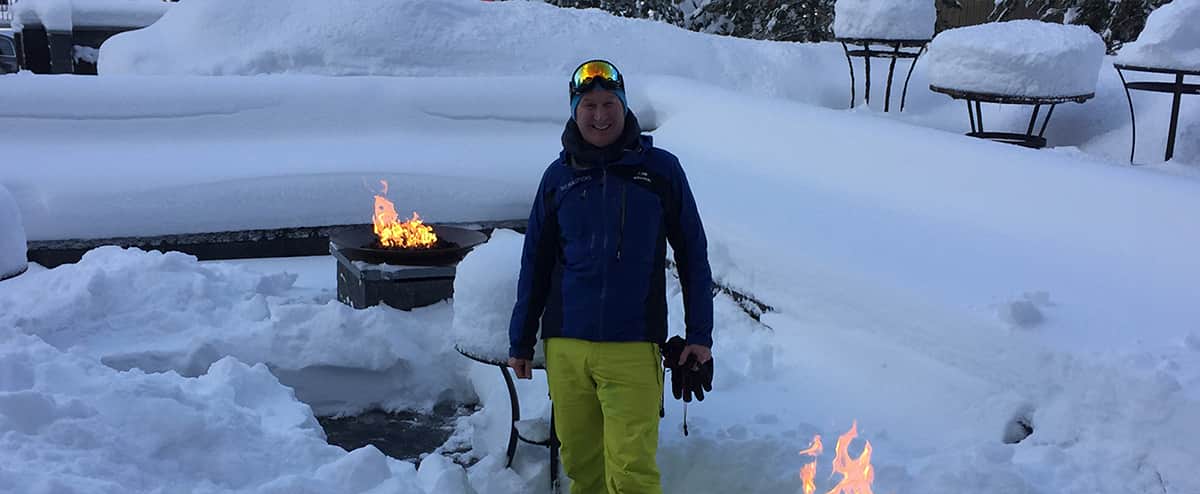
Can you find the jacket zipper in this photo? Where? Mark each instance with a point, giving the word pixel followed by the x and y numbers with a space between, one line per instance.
pixel 621 229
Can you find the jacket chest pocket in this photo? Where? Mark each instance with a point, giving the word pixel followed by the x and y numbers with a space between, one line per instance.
pixel 579 219
pixel 641 224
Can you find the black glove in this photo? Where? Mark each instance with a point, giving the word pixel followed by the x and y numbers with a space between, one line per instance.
pixel 690 379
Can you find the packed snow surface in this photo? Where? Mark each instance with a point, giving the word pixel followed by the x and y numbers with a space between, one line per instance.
pixel 884 19
pixel 12 236
pixel 64 15
pixel 1170 40
pixel 1017 58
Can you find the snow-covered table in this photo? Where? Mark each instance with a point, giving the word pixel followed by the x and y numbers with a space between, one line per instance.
pixel 1177 88
pixel 514 433
pixel 1015 63
pixel 904 26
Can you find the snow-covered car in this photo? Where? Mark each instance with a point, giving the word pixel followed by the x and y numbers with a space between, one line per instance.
pixel 8 53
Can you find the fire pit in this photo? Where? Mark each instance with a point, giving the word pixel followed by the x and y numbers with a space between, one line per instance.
pixel 402 264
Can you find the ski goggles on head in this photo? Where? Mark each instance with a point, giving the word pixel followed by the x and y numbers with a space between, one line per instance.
pixel 594 72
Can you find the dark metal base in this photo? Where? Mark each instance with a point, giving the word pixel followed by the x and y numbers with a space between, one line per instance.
pixel 1028 139
pixel 896 53
pixel 1024 140
pixel 1177 89
pixel 361 285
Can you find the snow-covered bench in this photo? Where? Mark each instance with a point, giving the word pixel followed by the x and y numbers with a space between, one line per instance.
pixel 904 26
pixel 1017 62
pixel 1169 44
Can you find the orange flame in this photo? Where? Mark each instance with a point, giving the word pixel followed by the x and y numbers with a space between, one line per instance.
pixel 857 473
pixel 411 234
pixel 809 472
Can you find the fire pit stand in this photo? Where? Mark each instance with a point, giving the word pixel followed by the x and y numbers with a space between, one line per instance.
pixel 401 278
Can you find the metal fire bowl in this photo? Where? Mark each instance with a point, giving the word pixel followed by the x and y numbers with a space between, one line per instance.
pixel 355 243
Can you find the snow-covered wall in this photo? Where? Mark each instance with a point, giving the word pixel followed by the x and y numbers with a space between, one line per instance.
pixel 1171 38
pixel 12 236
pixel 450 38
pixel 1019 58
pixel 64 15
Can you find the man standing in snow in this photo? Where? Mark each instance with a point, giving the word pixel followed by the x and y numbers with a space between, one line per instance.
pixel 593 277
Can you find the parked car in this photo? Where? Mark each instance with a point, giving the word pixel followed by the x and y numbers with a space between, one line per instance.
pixel 8 53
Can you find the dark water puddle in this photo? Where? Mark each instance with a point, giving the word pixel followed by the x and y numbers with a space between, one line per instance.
pixel 402 435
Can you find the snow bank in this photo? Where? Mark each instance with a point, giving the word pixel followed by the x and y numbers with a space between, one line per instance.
pixel 884 19
pixel 1020 58
pixel 69 424
pixel 485 288
pixel 64 15
pixel 1170 40
pixel 339 360
pixel 450 38
pixel 12 236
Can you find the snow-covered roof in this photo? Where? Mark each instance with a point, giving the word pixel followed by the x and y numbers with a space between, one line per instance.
pixel 12 236
pixel 884 19
pixel 1170 40
pixel 1017 58
pixel 64 15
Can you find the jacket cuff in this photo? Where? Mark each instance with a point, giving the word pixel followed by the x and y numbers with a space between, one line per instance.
pixel 521 353
pixel 704 340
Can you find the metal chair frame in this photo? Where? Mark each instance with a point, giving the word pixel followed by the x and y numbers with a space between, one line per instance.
pixel 896 53
pixel 1177 89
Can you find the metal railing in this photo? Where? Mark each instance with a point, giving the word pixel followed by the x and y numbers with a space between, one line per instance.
pixel 6 13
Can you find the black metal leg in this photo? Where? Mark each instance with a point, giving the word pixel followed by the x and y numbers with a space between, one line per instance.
pixel 553 455
pixel 1033 119
pixel 851 64
pixel 867 63
pixel 979 115
pixel 971 116
pixel 1174 117
pixel 904 94
pixel 1132 119
pixel 516 415
pixel 887 96
pixel 1047 120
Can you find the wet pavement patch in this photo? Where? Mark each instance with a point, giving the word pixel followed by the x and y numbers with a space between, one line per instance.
pixel 404 435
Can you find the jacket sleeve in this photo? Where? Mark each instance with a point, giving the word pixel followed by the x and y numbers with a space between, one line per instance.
pixel 686 235
pixel 537 263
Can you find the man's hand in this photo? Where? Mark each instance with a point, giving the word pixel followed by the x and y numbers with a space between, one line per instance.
pixel 523 368
pixel 703 354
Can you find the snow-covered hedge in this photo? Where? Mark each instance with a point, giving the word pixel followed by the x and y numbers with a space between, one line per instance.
pixel 64 15
pixel 12 236
pixel 1019 58
pixel 485 288
pixel 1171 38
pixel 884 19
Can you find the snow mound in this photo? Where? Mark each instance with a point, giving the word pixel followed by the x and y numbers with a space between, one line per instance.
pixel 12 237
pixel 64 15
pixel 1170 40
pixel 69 424
pixel 485 288
pixel 1018 58
pixel 167 312
pixel 449 38
pixel 884 19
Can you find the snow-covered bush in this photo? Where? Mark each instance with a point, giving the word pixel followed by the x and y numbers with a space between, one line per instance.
pixel 1170 40
pixel 12 236
pixel 485 288
pixel 884 19
pixel 1019 58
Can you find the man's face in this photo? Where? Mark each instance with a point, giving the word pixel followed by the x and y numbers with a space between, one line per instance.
pixel 601 117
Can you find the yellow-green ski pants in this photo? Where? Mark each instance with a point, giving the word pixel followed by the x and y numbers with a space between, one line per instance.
pixel 606 401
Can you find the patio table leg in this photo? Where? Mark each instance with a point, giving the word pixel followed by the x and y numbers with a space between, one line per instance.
pixel 1047 120
pixel 904 94
pixel 1132 118
pixel 1174 117
pixel 851 64
pixel 887 98
pixel 516 415
pixel 867 63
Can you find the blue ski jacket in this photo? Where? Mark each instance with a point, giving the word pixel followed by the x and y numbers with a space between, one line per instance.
pixel 594 260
